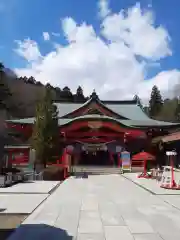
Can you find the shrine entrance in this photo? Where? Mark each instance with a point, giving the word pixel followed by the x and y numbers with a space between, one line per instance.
pixel 96 158
pixel 98 143
pixel 94 154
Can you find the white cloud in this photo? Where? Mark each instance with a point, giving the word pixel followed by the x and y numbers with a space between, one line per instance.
pixel 78 34
pixel 104 10
pixel 28 49
pixel 46 36
pixel 109 63
pixel 135 28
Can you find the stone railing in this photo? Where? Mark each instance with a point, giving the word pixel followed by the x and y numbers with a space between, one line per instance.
pixel 10 179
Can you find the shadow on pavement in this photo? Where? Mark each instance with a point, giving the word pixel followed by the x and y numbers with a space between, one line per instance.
pixel 39 232
pixel 5 233
pixel 81 175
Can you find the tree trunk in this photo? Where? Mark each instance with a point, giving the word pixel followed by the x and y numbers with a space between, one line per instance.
pixel 39 167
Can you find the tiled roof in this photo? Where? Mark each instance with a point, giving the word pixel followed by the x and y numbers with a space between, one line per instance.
pixel 171 137
pixel 148 122
pixel 127 109
pixel 66 108
pixel 134 123
pixel 22 120
pixel 130 111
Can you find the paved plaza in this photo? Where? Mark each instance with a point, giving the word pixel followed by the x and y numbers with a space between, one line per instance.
pixel 20 203
pixel 34 187
pixel 102 207
pixel 152 185
pixel 23 198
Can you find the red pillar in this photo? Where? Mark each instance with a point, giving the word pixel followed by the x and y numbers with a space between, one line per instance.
pixel 144 166
pixel 173 183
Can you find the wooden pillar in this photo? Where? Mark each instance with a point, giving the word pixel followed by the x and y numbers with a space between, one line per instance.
pixel 76 158
pixel 10 160
pixel 119 159
pixel 111 159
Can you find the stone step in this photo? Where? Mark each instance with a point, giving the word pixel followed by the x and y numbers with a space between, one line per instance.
pixel 96 170
pixel 101 170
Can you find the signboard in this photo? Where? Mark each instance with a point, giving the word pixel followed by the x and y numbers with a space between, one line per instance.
pixel 126 161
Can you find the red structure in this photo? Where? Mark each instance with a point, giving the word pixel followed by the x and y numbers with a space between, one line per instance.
pixel 144 157
pixel 172 183
pixel 17 154
pixel 97 131
pixel 64 162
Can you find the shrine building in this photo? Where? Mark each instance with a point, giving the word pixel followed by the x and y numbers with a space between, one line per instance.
pixel 96 131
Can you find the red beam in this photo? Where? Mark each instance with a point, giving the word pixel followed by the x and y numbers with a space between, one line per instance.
pixel 101 134
pixel 111 125
pixel 94 134
pixel 98 140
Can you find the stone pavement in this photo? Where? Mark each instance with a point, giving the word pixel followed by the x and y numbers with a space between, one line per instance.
pixel 103 207
pixel 23 198
pixel 31 187
pixel 20 203
pixel 152 185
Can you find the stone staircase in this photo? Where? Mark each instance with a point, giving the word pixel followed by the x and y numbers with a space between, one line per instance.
pixel 95 170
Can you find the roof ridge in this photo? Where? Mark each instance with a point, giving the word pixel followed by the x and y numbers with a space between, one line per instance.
pixel 102 101
pixel 119 101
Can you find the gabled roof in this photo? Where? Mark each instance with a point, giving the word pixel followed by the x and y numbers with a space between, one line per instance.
pixel 122 109
pixel 129 110
pixel 127 113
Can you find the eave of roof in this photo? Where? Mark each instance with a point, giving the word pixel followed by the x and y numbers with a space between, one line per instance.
pixel 150 123
pixel 173 137
pixel 129 123
pixel 64 122
pixel 17 146
pixel 22 121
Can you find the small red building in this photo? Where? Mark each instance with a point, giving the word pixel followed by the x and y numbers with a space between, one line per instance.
pixel 17 154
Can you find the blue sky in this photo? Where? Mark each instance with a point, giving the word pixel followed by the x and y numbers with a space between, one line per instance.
pixel 22 19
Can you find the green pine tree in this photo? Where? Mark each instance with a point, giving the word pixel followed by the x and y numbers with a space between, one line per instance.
pixel 155 103
pixel 4 106
pixel 138 101
pixel 4 89
pixel 177 110
pixel 45 133
pixel 79 96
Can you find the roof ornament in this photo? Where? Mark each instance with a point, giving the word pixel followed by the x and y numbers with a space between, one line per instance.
pixel 94 95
